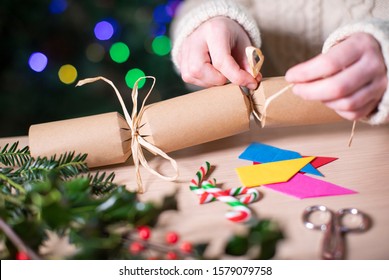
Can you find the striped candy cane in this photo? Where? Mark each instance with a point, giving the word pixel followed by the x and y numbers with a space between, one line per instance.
pixel 240 213
pixel 208 192
pixel 251 194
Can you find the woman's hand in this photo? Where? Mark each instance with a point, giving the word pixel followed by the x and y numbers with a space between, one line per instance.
pixel 215 53
pixel 350 78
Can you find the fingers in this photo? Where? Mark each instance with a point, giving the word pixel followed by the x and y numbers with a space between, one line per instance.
pixel 343 83
pixel 351 78
pixel 338 58
pixel 215 53
pixel 361 103
pixel 358 114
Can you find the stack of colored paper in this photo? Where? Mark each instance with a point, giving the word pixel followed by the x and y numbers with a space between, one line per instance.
pixel 284 171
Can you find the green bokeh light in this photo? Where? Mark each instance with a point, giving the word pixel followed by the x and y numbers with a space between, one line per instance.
pixel 161 45
pixel 119 52
pixel 133 75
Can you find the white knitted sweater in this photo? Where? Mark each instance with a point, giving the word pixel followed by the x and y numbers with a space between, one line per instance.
pixel 292 31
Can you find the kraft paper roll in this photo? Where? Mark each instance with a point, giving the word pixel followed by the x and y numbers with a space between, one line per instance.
pixel 196 118
pixel 288 109
pixel 178 123
pixel 105 138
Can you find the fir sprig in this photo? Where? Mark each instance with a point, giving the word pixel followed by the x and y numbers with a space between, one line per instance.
pixel 100 184
pixel 67 165
pixel 13 156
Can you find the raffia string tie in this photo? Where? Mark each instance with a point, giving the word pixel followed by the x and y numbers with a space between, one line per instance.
pixel 284 90
pixel 137 140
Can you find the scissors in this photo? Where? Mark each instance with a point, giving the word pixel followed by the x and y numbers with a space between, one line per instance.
pixel 333 247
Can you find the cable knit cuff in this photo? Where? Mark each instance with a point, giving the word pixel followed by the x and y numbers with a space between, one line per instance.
pixel 380 30
pixel 210 9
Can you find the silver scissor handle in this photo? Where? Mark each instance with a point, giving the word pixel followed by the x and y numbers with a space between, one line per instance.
pixel 333 247
pixel 333 243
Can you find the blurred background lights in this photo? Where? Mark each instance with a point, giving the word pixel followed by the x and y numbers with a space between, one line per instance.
pixel 95 52
pixel 161 45
pixel 119 52
pixel 161 14
pixel 58 6
pixel 132 76
pixel 67 74
pixel 104 30
pixel 172 6
pixel 37 61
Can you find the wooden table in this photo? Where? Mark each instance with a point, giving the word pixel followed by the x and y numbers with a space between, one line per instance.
pixel 364 167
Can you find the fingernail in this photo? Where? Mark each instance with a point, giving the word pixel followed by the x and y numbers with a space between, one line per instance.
pixel 252 86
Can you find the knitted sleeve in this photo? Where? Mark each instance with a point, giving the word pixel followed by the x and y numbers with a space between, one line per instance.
pixel 380 30
pixel 193 13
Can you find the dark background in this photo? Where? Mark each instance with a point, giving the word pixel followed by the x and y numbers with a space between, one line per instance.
pixel 63 30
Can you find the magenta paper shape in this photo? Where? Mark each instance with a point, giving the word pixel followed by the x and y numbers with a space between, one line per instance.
pixel 303 186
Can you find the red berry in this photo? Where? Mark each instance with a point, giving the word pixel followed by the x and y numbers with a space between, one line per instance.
pixel 171 256
pixel 144 232
pixel 135 248
pixel 22 256
pixel 172 237
pixel 186 247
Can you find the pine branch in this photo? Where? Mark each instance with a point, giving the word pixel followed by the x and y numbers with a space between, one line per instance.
pixel 67 165
pixel 70 165
pixel 100 184
pixel 13 156
pixel 8 181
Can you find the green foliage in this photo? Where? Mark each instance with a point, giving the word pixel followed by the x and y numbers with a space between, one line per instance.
pixel 263 236
pixel 100 217
pixel 13 156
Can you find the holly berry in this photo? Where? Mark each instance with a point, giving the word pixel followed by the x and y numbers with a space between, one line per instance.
pixel 22 256
pixel 186 247
pixel 144 232
pixel 171 255
pixel 172 237
pixel 136 247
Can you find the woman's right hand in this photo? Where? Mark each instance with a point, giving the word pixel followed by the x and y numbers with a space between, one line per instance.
pixel 215 54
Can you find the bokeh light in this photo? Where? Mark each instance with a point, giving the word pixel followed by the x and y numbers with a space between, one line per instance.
pixel 104 30
pixel 67 74
pixel 161 45
pixel 172 6
pixel 37 61
pixel 161 14
pixel 95 52
pixel 133 75
pixel 58 6
pixel 119 52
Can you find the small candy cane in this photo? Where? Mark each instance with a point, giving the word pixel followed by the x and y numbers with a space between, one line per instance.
pixel 209 192
pixel 206 197
pixel 240 213
pixel 195 184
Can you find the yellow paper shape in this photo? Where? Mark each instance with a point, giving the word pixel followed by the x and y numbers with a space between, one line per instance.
pixel 272 172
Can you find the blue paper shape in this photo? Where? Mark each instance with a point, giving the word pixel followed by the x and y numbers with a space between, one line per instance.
pixel 263 153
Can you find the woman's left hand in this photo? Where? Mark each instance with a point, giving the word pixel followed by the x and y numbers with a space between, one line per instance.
pixel 350 78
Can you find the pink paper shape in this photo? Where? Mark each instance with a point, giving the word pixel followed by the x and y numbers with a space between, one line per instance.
pixel 303 186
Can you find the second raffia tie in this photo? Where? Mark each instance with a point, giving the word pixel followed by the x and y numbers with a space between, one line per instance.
pixel 207 192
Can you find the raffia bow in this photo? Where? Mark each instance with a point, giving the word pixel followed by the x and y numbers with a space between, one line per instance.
pixel 255 59
pixel 137 140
